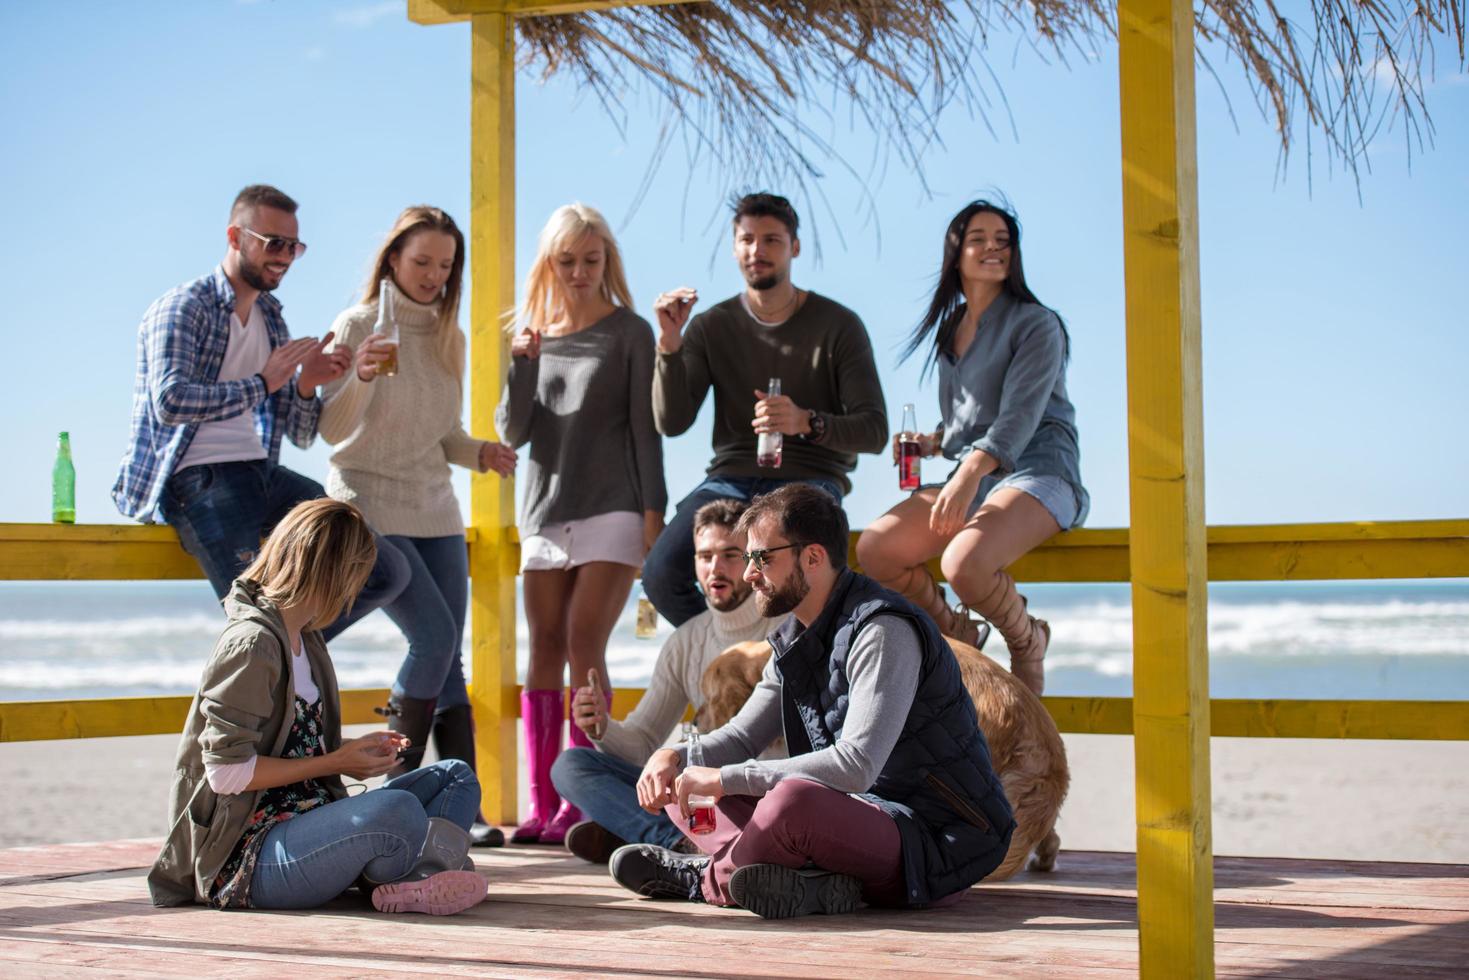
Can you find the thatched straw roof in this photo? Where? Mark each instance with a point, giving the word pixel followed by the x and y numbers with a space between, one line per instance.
pixel 746 80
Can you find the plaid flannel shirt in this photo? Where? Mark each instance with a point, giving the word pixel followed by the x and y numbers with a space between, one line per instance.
pixel 181 344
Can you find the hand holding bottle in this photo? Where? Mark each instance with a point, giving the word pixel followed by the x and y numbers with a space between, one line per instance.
pixel 589 707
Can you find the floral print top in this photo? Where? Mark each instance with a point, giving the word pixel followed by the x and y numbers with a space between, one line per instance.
pixel 231 888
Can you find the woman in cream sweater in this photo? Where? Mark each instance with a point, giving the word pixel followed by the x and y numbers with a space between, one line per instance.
pixel 395 437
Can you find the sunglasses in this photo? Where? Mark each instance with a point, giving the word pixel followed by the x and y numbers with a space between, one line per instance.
pixel 760 557
pixel 276 245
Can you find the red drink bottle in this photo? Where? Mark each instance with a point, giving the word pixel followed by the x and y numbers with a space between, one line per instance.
pixel 701 808
pixel 909 452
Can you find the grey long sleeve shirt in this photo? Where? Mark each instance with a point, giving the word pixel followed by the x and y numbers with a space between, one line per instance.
pixel 585 407
pixel 883 676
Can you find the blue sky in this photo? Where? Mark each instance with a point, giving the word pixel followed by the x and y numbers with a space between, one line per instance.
pixel 1334 329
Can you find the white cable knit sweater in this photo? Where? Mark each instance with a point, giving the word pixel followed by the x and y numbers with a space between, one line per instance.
pixel 676 675
pixel 395 437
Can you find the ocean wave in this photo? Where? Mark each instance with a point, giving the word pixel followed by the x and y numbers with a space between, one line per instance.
pixel 158 653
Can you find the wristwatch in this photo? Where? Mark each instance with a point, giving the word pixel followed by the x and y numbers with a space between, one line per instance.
pixel 817 421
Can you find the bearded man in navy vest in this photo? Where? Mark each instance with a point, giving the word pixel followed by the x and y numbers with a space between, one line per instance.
pixel 888 795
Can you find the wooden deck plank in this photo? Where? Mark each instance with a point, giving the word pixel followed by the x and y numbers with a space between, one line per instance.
pixel 82 910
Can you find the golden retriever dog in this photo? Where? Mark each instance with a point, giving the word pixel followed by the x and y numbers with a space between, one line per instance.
pixel 1025 747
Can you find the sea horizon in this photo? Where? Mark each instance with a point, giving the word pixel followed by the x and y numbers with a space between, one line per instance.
pixel 1398 640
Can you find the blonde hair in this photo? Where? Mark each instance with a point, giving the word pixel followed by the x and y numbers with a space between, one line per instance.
pixel 319 556
pixel 418 218
pixel 542 302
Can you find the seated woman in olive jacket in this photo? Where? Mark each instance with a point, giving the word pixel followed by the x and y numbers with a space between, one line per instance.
pixel 257 789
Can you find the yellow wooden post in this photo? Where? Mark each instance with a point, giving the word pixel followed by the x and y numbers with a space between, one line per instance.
pixel 1166 457
pixel 492 500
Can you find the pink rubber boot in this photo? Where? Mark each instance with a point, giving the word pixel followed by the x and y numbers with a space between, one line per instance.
pixel 541 717
pixel 555 831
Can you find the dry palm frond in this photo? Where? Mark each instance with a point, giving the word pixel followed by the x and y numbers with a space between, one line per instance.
pixel 751 85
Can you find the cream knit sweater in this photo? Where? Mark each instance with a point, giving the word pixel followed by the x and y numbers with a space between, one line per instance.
pixel 395 437
pixel 676 675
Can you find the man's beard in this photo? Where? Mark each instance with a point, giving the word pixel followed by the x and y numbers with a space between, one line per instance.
pixel 765 282
pixel 733 599
pixel 254 276
pixel 785 598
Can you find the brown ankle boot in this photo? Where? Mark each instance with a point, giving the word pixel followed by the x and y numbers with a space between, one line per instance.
pixel 1026 636
pixel 917 585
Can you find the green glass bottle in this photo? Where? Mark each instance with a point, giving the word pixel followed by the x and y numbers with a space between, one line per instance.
pixel 64 484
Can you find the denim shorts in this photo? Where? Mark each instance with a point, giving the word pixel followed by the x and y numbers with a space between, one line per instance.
pixel 1055 493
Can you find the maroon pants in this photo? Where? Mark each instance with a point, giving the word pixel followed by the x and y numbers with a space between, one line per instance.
pixel 800 823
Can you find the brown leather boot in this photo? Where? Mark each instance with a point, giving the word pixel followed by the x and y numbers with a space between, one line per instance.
pixel 1026 636
pixel 917 585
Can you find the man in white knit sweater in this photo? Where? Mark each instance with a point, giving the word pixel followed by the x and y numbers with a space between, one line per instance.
pixel 602 782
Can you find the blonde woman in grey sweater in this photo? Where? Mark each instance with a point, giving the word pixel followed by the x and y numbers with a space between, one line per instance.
pixel 396 436
pixel 579 392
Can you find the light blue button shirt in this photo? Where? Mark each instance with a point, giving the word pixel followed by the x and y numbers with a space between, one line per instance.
pixel 1007 396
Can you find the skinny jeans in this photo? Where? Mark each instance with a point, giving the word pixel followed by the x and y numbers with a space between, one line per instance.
pixel 430 613
pixel 314 857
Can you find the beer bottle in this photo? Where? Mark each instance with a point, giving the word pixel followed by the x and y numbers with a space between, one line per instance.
pixel 768 445
pixel 63 483
pixel 387 326
pixel 647 622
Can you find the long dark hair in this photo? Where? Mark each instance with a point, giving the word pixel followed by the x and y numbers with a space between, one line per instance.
pixel 948 294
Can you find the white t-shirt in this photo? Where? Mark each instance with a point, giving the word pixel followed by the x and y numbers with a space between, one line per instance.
pixel 234 439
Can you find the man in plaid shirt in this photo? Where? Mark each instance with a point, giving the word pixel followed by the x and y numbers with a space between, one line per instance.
pixel 219 382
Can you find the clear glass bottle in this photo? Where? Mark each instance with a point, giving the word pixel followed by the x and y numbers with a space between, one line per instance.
pixel 768 445
pixel 910 452
pixel 646 625
pixel 63 483
pixel 702 819
pixel 387 325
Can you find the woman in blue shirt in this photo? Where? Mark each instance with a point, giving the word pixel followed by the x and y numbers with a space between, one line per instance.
pixel 1007 423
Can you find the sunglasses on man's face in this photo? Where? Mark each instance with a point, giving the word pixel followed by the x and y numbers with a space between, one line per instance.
pixel 276 245
pixel 760 557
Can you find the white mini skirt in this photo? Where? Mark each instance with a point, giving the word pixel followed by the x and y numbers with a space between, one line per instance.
pixel 615 537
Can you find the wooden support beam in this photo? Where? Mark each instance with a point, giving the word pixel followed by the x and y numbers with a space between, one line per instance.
pixel 492 566
pixel 1166 462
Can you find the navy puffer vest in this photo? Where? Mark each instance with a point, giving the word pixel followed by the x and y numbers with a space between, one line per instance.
pixel 938 784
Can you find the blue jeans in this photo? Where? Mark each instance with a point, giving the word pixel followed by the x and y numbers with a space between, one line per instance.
pixel 668 571
pixel 604 788
pixel 222 511
pixel 312 858
pixel 430 612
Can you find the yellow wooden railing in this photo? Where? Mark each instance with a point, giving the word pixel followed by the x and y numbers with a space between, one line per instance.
pixel 1285 552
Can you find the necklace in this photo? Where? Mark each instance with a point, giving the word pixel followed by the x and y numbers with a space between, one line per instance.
pixel 776 316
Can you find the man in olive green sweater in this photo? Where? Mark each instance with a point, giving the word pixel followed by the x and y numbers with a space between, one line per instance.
pixel 830 407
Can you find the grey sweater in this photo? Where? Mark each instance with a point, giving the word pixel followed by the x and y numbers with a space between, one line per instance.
pixel 585 408
pixel 883 673
pixel 824 361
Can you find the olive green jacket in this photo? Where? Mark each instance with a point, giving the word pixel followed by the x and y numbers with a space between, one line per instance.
pixel 244 707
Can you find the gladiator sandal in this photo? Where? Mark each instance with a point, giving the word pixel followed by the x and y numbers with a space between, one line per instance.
pixel 917 585
pixel 1025 636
